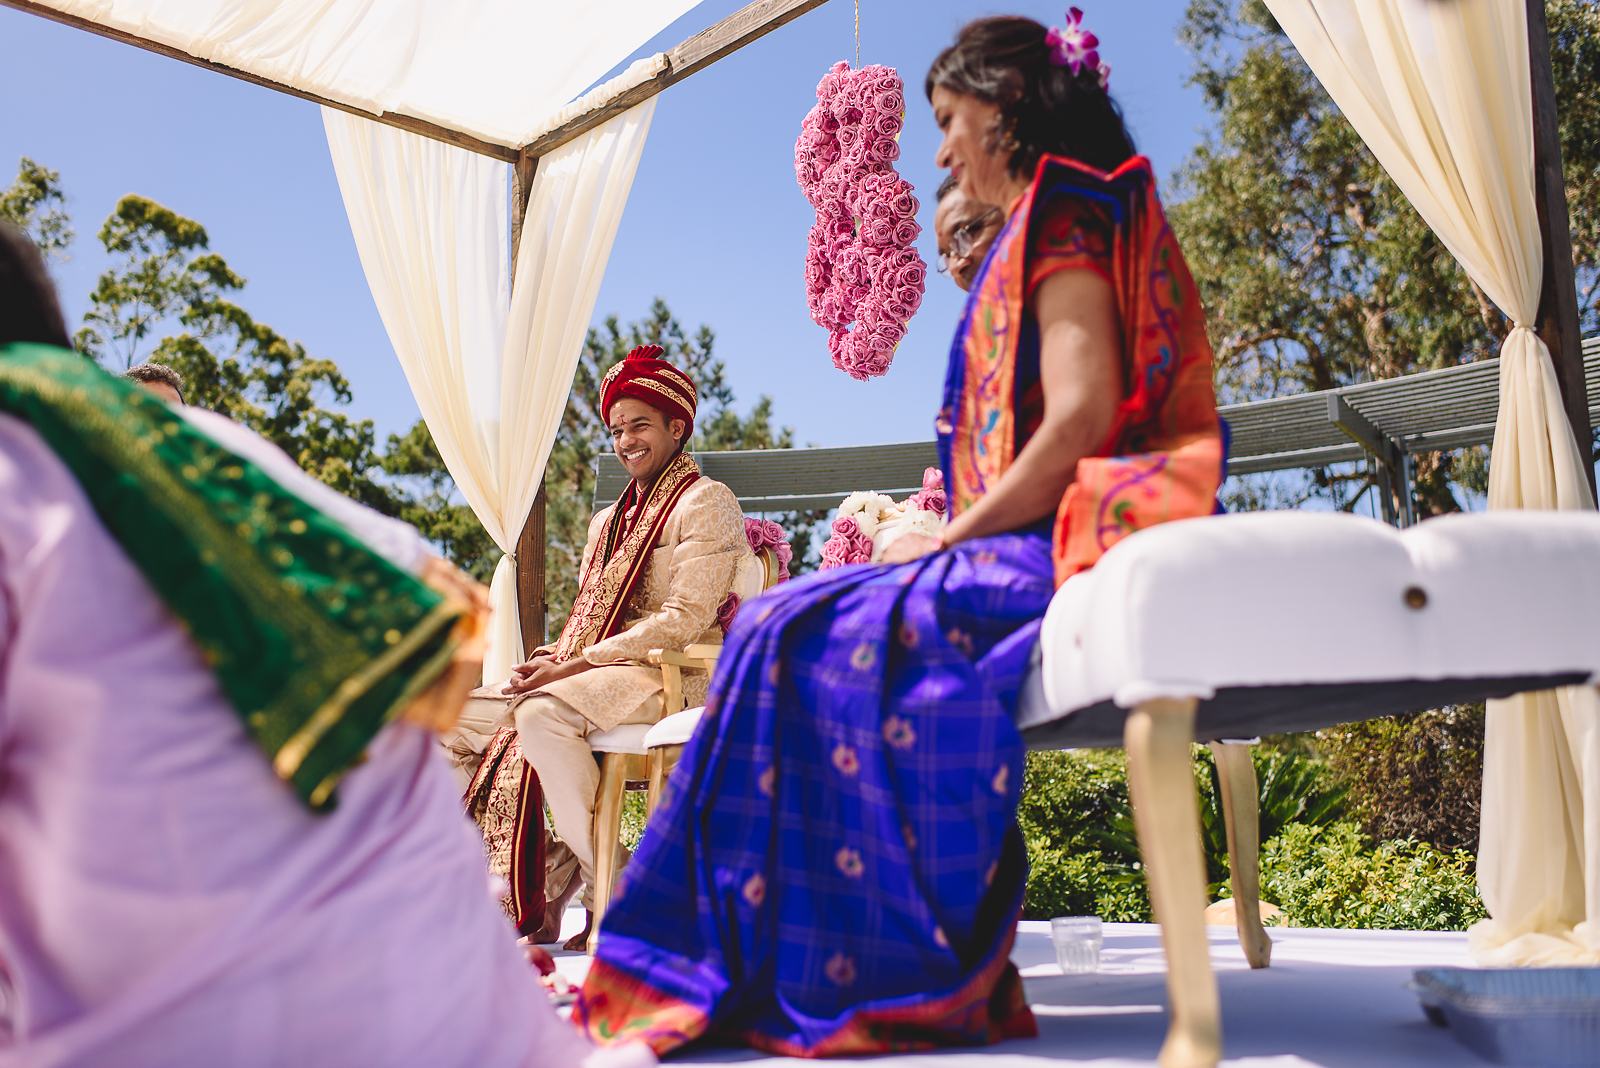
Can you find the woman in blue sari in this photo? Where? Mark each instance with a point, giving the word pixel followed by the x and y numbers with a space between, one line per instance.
pixel 836 867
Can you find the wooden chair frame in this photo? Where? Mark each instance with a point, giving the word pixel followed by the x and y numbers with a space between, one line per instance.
pixel 620 772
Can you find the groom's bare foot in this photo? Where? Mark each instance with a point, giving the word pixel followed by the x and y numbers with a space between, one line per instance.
pixel 550 929
pixel 580 941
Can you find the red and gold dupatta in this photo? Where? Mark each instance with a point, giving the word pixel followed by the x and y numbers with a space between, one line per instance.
pixel 1164 457
pixel 633 529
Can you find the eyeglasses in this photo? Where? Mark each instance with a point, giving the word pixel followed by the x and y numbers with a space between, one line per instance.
pixel 965 238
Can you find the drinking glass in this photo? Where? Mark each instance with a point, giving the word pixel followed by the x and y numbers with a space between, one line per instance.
pixel 1077 941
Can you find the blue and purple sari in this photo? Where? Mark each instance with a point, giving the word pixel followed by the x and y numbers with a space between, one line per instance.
pixel 835 867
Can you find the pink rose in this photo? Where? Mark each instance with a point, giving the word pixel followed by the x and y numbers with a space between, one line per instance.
pixel 889 99
pixel 762 533
pixel 904 202
pixel 906 231
pixel 880 232
pixel 910 300
pixel 816 276
pixel 726 611
pixel 913 274
pixel 887 124
pixel 835 553
pixel 885 151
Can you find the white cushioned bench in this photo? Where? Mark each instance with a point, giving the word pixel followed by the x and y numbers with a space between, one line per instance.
pixel 1242 625
pixel 1285 621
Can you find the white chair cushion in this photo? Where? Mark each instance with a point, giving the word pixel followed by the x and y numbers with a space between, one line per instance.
pixel 1276 599
pixel 674 730
pixel 628 738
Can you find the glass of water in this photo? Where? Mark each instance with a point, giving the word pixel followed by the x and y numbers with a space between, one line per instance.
pixel 1077 941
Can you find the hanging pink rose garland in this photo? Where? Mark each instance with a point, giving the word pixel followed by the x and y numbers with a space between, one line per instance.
pixel 864 278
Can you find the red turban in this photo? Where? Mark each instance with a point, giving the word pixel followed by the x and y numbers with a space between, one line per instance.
pixel 643 374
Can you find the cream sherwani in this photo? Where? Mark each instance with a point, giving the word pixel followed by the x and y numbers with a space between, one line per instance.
pixel 687 578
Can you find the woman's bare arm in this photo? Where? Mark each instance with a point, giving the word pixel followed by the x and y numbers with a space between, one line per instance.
pixel 1080 368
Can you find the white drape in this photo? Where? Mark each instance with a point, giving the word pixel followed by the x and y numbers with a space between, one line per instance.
pixel 493 68
pixel 491 376
pixel 1440 92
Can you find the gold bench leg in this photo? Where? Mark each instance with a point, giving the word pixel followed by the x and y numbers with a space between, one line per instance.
pixel 663 758
pixel 616 769
pixel 1167 817
pixel 1241 814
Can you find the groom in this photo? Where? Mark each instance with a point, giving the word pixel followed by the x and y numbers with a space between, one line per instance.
pixel 657 567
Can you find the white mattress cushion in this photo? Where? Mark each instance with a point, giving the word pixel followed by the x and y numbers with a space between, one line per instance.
pixel 627 738
pixel 1286 598
pixel 676 729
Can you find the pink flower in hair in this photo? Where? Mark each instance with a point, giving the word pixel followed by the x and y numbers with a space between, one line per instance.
pixel 1073 46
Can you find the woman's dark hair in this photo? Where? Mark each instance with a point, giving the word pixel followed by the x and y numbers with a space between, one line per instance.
pixel 1046 108
pixel 29 310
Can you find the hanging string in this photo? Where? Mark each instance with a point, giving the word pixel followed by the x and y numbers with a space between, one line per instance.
pixel 858 34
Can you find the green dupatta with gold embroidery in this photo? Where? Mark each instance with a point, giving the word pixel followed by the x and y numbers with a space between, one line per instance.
pixel 315 639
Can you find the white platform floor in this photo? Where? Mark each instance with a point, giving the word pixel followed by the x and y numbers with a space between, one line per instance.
pixel 1333 999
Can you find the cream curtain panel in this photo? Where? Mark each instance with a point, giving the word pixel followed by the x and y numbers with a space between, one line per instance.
pixel 493 68
pixel 1440 92
pixel 490 374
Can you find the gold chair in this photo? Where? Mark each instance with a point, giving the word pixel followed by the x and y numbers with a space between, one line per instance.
pixel 625 762
pixel 665 741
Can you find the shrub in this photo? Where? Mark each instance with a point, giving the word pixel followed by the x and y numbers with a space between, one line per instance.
pixel 1082 852
pixel 1083 883
pixel 1292 788
pixel 1418 776
pixel 1330 877
pixel 633 819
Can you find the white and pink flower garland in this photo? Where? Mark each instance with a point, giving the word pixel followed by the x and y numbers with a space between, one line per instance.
pixel 864 278
pixel 761 534
pixel 867 523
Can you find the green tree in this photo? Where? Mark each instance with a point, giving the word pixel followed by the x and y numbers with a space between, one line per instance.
pixel 36 204
pixel 168 297
pixel 433 505
pixel 1417 776
pixel 1315 270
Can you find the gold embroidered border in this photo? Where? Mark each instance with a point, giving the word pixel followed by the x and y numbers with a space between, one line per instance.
pixel 602 597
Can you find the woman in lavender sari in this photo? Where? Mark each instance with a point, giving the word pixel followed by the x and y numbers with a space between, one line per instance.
pixel 836 867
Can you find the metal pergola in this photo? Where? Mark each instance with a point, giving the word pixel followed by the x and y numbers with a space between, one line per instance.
pixel 1387 422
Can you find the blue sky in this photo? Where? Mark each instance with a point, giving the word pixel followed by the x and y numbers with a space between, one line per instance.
pixel 715 224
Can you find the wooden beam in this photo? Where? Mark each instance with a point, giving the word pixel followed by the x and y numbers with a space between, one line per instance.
pixel 749 23
pixel 1558 302
pixel 531 543
pixel 403 122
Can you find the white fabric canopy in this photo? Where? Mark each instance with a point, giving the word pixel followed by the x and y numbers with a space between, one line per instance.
pixel 492 68
pixel 491 381
pixel 1441 94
